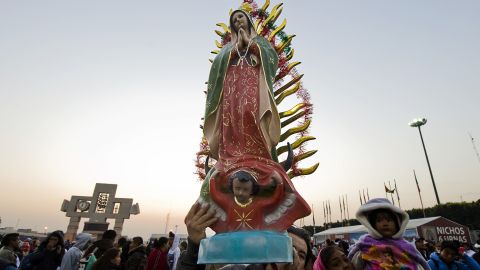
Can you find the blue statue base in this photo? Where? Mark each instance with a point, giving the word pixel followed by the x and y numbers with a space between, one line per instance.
pixel 246 247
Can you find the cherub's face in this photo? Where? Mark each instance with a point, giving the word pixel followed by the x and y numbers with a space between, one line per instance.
pixel 242 190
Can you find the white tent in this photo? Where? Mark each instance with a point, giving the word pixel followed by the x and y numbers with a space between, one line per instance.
pixel 354 232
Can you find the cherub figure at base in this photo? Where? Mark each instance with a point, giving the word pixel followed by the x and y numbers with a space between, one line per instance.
pixel 252 194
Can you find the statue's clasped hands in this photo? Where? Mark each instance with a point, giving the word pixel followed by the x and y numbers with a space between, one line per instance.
pixel 243 39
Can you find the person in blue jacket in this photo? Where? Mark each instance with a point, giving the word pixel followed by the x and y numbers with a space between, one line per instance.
pixel 451 258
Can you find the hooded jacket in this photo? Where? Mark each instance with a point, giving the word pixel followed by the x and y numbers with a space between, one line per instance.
pixel 365 253
pixel 71 259
pixel 382 203
pixel 467 263
pixel 48 259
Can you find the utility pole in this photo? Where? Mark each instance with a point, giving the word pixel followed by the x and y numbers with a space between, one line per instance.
pixel 418 123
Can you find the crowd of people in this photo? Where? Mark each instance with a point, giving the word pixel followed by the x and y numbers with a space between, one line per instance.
pixel 107 253
pixel 383 247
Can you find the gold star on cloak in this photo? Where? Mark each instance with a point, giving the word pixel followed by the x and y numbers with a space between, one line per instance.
pixel 243 219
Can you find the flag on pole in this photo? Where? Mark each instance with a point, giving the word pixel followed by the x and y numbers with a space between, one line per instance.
pixel 398 196
pixel 387 190
pixel 391 194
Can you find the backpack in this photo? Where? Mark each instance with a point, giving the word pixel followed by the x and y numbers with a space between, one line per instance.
pixel 91 261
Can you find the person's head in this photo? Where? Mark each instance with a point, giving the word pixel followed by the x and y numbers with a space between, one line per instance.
pixel 121 242
pixel 11 240
pixel 35 242
pixel 109 259
pixel 136 242
pixel 332 258
pixel 171 237
pixel 183 246
pixel 449 251
pixel 384 221
pixel 240 19
pixel 301 245
pixel 83 240
pixel 420 244
pixel 243 185
pixel 53 241
pixel 109 234
pixel 343 245
pixel 25 246
pixel 467 246
pixel 161 243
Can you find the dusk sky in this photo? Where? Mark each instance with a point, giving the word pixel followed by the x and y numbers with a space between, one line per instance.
pixel 112 92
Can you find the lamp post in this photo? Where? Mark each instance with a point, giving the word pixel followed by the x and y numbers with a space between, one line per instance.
pixel 418 123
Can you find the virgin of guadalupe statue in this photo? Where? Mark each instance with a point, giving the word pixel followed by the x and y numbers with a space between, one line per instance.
pixel 241 117
pixel 242 127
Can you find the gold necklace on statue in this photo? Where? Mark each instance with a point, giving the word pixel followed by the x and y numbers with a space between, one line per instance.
pixel 243 205
pixel 242 58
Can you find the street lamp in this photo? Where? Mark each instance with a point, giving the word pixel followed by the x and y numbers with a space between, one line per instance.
pixel 418 123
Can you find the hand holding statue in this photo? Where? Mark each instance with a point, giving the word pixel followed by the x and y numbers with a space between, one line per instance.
pixel 197 220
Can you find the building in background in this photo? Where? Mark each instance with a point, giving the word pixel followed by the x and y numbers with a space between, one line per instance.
pixel 99 207
pixel 434 229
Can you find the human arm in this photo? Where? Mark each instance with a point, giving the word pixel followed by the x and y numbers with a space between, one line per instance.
pixel 470 263
pixel 66 261
pixel 432 265
pixel 197 220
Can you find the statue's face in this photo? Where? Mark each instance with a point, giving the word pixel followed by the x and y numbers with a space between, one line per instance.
pixel 240 20
pixel 242 190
